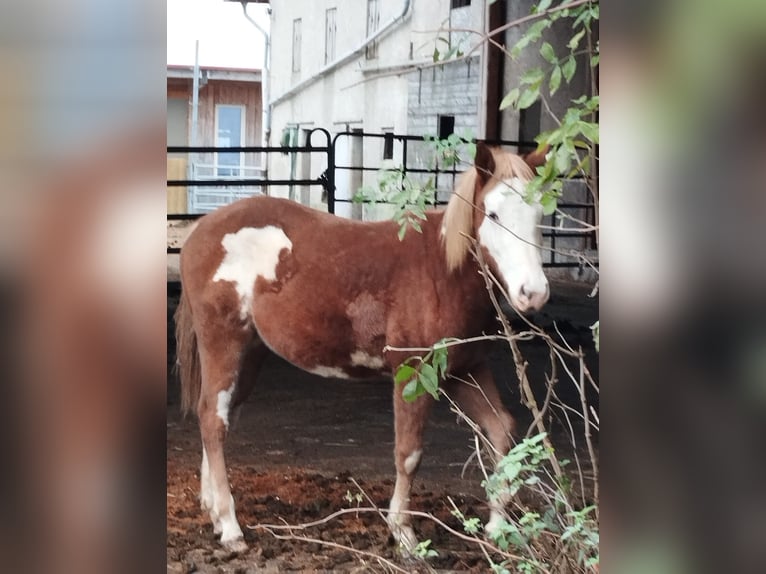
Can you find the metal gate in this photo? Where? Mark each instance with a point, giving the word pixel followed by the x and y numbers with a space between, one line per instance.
pixel 340 175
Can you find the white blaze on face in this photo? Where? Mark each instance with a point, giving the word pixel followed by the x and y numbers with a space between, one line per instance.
pixel 511 234
pixel 251 253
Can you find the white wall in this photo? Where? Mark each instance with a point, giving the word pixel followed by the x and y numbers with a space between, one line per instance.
pixel 363 94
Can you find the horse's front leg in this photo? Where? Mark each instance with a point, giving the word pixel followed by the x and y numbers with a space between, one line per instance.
pixel 409 422
pixel 481 403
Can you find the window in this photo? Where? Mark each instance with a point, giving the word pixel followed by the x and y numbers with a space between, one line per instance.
pixel 459 3
pixel 297 45
pixel 329 35
pixel 177 110
pixel 373 21
pixel 388 146
pixel 229 132
pixel 529 125
pixel 446 126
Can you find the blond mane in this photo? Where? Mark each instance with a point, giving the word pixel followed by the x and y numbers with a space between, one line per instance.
pixel 457 225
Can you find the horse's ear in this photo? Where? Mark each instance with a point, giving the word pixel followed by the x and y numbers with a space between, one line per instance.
pixel 536 158
pixel 484 163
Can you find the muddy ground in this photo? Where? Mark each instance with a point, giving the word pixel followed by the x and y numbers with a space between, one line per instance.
pixel 300 442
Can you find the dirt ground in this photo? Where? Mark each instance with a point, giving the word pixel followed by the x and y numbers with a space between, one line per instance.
pixel 298 443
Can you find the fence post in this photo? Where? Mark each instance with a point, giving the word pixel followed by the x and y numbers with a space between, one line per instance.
pixel 330 179
pixel 356 177
pixel 304 168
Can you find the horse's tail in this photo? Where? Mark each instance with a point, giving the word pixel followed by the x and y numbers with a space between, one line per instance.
pixel 187 356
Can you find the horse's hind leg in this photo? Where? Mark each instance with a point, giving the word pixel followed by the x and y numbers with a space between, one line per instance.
pixel 409 421
pixel 481 402
pixel 220 359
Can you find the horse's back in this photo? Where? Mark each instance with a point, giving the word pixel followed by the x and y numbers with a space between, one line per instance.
pixel 313 285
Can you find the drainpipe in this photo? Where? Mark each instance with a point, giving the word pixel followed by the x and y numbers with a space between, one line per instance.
pixel 384 31
pixel 264 76
pixel 195 94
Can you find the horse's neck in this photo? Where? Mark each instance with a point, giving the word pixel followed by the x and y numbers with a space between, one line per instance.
pixel 466 283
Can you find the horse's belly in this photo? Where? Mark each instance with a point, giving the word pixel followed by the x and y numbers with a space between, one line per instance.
pixel 331 341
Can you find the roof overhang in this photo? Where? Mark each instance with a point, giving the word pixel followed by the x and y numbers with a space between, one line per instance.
pixel 214 73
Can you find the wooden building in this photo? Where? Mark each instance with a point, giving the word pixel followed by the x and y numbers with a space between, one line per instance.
pixel 229 113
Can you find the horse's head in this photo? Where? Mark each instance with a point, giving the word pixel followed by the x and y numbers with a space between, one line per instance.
pixel 490 205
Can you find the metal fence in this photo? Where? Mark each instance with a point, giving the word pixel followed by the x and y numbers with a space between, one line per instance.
pixel 413 156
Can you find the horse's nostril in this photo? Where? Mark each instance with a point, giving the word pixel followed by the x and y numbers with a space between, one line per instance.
pixel 523 291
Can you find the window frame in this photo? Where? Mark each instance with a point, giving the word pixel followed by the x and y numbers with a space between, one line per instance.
pixel 330 34
pixel 219 168
pixel 297 44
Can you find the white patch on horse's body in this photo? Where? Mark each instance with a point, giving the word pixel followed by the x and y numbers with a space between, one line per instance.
pixel 223 405
pixel 251 253
pixel 511 234
pixel 363 359
pixel 411 462
pixel 330 372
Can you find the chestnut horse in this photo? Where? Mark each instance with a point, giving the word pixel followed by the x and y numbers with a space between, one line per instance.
pixel 330 294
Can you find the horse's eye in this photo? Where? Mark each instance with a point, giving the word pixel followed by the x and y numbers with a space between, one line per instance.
pixel 492 215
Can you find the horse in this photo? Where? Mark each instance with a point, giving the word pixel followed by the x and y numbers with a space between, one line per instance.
pixel 333 296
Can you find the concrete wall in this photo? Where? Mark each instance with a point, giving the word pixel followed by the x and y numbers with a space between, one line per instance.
pixel 558 36
pixel 374 95
pixel 451 89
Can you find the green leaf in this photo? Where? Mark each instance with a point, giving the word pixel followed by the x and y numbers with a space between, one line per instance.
pixel 536 30
pixel 561 159
pixel 542 6
pixel 436 54
pixel 410 391
pixel 429 379
pixel 533 76
pixel 546 51
pixel 594 61
pixel 510 99
pixel 528 98
pixel 549 203
pixel 569 68
pixel 575 41
pixel 590 131
pixel 555 80
pixel 440 359
pixel 404 373
pixel 401 232
pixel 519 46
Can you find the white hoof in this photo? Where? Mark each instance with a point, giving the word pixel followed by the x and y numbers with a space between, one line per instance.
pixel 493 526
pixel 235 545
pixel 404 536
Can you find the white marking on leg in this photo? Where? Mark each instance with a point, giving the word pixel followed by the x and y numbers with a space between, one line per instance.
pixel 495 520
pixel 230 530
pixel 362 359
pixel 399 522
pixel 496 514
pixel 222 407
pixel 411 462
pixel 206 494
pixel 330 372
pixel 251 253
